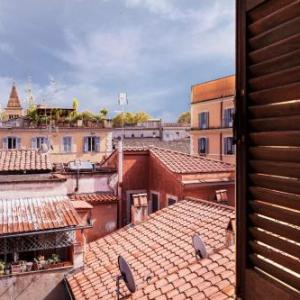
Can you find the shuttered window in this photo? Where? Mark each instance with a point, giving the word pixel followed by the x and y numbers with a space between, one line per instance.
pixel 91 144
pixel 203 120
pixel 268 158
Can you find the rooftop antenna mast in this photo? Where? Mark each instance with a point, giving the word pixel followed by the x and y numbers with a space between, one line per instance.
pixel 28 91
pixel 123 101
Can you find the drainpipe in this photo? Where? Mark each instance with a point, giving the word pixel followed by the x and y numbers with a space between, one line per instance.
pixel 77 180
pixel 221 135
pixel 120 175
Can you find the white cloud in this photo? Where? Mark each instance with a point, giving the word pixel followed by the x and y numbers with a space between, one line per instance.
pixel 165 8
pixel 100 52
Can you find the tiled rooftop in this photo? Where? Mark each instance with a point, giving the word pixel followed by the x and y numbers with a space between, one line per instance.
pixel 24 160
pixel 99 198
pixel 182 145
pixel 33 214
pixel 184 163
pixel 161 248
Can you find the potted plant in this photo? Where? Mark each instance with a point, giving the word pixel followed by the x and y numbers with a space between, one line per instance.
pixel 7 269
pixel 2 267
pixel 29 265
pixel 57 261
pixel 48 264
pixel 39 262
pixel 23 265
pixel 15 267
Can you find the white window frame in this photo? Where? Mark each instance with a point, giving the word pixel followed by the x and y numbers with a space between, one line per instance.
pixel 63 144
pixel 150 201
pixel 16 142
pixel 45 139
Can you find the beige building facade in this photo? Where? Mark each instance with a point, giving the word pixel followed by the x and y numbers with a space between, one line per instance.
pixel 212 112
pixel 65 144
pixel 65 141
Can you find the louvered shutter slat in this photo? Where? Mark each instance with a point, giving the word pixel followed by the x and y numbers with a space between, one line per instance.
pixel 268 159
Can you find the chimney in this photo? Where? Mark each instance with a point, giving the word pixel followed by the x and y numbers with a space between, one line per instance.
pixel 230 233
pixel 139 209
pixel 222 197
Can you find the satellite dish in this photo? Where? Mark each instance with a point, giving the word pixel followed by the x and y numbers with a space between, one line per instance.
pixel 199 247
pixel 126 275
pixel 44 148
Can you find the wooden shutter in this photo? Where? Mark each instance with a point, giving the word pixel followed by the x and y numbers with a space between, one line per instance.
pixel 268 156
pixel 85 144
pixel 5 143
pixel 34 143
pixel 97 142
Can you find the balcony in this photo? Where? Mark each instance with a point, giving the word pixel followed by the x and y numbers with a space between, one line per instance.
pixel 225 124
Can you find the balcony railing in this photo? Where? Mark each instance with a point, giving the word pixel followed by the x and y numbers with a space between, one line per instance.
pixel 224 124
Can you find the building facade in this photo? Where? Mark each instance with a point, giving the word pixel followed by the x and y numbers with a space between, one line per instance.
pixel 167 176
pixel 65 140
pixel 153 128
pixel 212 113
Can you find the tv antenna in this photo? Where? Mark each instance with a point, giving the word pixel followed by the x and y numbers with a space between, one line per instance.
pixel 199 246
pixel 28 91
pixel 126 275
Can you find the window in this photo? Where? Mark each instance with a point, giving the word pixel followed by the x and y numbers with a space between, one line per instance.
pixel 228 146
pixel 203 120
pixel 228 117
pixel 38 141
pixel 203 146
pixel 154 202
pixel 67 144
pixel 11 142
pixel 91 144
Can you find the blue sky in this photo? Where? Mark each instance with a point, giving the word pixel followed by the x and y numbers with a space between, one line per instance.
pixel 94 49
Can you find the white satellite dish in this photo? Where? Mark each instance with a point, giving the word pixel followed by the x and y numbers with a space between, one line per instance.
pixel 199 246
pixel 44 148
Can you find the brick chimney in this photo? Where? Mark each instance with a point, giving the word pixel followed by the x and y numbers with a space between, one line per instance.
pixel 139 209
pixel 230 233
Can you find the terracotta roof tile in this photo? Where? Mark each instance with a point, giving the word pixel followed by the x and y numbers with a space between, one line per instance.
pixel 95 198
pixel 141 144
pixel 184 163
pixel 34 214
pixel 161 248
pixel 24 160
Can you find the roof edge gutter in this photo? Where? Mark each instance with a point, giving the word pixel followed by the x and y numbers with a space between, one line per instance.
pixel 81 227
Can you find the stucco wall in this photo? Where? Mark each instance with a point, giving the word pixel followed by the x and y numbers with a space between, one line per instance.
pixel 88 183
pixel 56 137
pixel 35 286
pixel 163 181
pixel 104 218
pixel 209 192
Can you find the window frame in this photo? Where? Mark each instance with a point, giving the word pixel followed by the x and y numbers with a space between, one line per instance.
pixel 64 150
pixel 205 113
pixel 206 145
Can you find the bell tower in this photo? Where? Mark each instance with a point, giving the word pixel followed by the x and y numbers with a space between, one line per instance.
pixel 13 108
